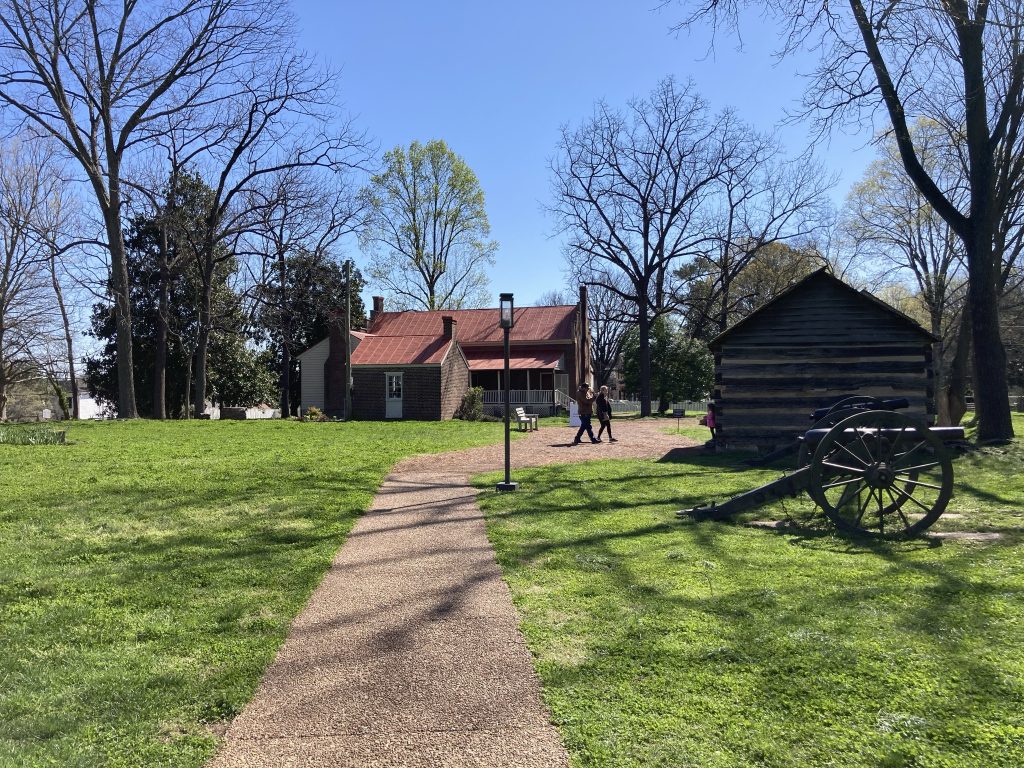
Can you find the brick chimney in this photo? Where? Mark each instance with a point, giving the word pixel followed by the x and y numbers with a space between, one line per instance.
pixel 335 375
pixel 378 309
pixel 450 324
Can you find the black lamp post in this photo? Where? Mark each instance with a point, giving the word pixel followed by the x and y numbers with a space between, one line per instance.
pixel 506 319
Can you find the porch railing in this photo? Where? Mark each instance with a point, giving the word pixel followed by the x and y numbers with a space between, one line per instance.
pixel 519 396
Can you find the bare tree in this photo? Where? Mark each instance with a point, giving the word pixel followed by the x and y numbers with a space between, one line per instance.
pixel 427 231
pixel 958 63
pixel 281 115
pixel 888 218
pixel 299 210
pixel 27 320
pixel 777 267
pixel 633 191
pixel 763 200
pixel 610 317
pixel 100 78
pixel 555 298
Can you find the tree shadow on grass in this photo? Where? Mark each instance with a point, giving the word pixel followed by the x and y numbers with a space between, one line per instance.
pixel 865 627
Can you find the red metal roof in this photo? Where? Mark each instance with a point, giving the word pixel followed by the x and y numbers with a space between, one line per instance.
pixel 493 360
pixel 400 350
pixel 479 326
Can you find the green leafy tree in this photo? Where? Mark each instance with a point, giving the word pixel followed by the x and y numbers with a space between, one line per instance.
pixel 682 367
pixel 315 288
pixel 428 232
pixel 240 375
pixel 166 288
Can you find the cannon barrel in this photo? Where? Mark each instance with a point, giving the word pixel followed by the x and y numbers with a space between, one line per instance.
pixel 894 404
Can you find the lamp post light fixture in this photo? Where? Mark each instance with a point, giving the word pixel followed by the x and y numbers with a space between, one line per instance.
pixel 506 319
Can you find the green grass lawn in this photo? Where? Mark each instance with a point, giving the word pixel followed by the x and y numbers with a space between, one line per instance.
pixel 687 427
pixel 662 642
pixel 149 572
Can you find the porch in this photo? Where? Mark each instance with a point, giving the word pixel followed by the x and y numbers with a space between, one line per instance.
pixel 539 392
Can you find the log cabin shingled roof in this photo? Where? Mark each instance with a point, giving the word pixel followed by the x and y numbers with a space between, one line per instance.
pixel 817 275
pixel 480 326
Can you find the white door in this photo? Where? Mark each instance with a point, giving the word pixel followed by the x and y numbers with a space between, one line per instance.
pixel 393 404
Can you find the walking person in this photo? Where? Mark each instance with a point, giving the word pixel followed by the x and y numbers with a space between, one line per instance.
pixel 585 401
pixel 604 414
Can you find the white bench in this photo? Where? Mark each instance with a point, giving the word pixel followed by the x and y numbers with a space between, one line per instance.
pixel 526 420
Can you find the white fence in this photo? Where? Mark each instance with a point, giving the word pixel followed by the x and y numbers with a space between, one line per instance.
pixel 690 407
pixel 1016 403
pixel 519 397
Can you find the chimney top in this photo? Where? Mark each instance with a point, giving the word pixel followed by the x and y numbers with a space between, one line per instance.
pixel 449 323
pixel 378 308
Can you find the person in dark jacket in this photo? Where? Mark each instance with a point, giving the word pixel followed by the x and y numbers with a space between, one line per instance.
pixel 585 401
pixel 604 414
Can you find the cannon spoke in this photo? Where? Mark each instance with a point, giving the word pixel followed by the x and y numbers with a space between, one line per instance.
pixel 858 458
pixel 843 482
pixel 904 455
pixel 895 443
pixel 862 509
pixel 843 467
pixel 867 450
pixel 909 497
pixel 911 481
pixel 898 507
pixel 919 467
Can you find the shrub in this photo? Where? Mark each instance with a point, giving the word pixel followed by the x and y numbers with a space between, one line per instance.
pixel 315 414
pixel 472 406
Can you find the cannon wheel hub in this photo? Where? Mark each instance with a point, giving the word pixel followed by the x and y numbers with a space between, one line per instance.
pixel 880 475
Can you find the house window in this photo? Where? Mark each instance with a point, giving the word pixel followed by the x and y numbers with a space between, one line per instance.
pixel 394 386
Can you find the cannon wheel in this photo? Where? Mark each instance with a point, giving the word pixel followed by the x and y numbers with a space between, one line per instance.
pixel 836 413
pixel 881 473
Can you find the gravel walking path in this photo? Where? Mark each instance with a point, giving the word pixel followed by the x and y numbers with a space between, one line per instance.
pixel 409 651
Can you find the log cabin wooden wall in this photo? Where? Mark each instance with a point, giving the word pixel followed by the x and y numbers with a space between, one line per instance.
pixel 808 348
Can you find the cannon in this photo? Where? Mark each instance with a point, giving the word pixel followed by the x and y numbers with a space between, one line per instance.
pixel 870 469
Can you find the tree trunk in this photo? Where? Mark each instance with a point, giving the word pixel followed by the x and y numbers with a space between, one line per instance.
pixel 723 310
pixel 69 342
pixel 187 410
pixel 286 358
pixel 160 355
pixel 938 374
pixel 62 398
pixel 126 407
pixel 3 387
pixel 644 328
pixel 203 342
pixel 991 392
pixel 954 398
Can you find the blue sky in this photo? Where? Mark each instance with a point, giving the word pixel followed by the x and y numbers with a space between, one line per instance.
pixel 497 80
